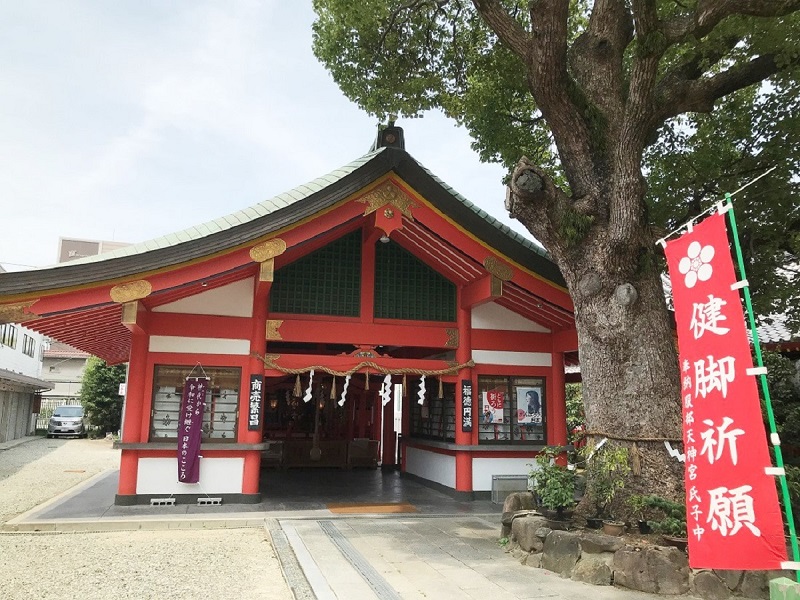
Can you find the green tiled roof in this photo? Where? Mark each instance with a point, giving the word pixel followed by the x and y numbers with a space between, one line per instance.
pixel 235 219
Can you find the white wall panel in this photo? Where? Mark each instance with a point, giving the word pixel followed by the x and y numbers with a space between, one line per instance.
pixel 159 476
pixel 196 345
pixel 493 316
pixel 439 468
pixel 484 468
pixel 521 359
pixel 232 300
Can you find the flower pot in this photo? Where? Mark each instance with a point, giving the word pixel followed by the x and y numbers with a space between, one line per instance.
pixel 613 527
pixel 681 543
pixel 644 527
pixel 594 522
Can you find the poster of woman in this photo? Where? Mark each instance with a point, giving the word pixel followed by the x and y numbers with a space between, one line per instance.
pixel 529 405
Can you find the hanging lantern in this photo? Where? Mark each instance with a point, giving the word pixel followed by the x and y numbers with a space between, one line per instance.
pixel 273 402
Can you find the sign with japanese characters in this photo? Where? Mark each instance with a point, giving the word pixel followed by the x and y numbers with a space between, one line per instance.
pixel 190 428
pixel 466 405
pixel 733 517
pixel 254 402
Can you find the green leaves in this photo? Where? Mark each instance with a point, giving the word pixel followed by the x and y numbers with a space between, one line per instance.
pixel 100 394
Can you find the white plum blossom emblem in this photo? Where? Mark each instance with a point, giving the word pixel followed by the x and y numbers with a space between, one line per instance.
pixel 695 265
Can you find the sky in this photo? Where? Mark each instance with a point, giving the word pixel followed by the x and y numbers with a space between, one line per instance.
pixel 128 120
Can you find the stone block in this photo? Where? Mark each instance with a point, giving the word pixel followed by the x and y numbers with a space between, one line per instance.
pixel 594 543
pixel 561 552
pixel 594 568
pixel 709 586
pixel 523 531
pixel 518 501
pixel 730 578
pixel 534 560
pixel 655 569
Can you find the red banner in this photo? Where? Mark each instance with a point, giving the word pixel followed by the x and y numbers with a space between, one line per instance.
pixel 733 517
pixel 190 428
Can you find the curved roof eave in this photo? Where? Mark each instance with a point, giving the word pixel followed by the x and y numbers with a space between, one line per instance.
pixel 254 222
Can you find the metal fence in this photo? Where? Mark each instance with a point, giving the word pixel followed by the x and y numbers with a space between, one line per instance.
pixel 49 405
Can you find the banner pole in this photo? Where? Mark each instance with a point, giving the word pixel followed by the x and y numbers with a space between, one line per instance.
pixel 787 505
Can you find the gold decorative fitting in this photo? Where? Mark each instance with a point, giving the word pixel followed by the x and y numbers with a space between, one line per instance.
pixel 388 213
pixel 273 330
pixel 452 338
pixel 496 286
pixel 130 311
pixel 17 313
pixel 266 271
pixel 499 269
pixel 388 193
pixel 269 249
pixel 133 290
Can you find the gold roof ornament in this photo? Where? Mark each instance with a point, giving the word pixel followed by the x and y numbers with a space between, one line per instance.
pixel 17 312
pixel 267 250
pixel 388 193
pixel 497 268
pixel 133 290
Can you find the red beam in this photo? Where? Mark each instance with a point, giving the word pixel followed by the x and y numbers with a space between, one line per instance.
pixel 483 290
pixel 565 341
pixel 521 341
pixel 412 333
pixel 210 326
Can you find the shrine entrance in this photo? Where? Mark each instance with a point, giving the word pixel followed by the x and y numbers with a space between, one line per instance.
pixel 314 427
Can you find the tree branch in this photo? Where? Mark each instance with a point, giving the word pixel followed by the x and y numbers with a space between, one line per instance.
pixel 709 13
pixel 510 32
pixel 699 95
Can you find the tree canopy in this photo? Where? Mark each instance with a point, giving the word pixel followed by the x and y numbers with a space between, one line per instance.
pixel 617 119
pixel 683 58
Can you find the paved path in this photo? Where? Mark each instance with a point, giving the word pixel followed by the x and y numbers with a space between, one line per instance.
pixel 291 547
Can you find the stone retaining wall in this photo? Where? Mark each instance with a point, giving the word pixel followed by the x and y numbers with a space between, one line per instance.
pixel 608 560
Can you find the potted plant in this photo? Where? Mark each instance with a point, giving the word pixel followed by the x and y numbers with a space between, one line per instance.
pixel 554 485
pixel 606 468
pixel 638 504
pixel 672 526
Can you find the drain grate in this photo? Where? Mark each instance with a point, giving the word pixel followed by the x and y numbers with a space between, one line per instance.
pixel 209 501
pixel 162 501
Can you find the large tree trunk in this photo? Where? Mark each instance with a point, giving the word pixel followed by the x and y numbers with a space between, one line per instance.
pixel 627 346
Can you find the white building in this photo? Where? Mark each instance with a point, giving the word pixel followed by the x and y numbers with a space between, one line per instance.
pixel 21 352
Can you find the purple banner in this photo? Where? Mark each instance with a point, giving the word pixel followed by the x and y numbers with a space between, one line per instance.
pixel 190 428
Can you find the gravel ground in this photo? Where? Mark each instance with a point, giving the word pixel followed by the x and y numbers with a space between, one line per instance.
pixel 36 471
pixel 173 564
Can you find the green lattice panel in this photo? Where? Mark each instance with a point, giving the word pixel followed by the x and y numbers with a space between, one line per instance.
pixel 407 288
pixel 326 282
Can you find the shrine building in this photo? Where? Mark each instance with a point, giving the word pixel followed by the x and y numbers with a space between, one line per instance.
pixel 372 318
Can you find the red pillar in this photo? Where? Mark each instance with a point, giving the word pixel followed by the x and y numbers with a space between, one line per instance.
pixel 133 424
pixel 557 404
pixel 258 345
pixel 463 438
